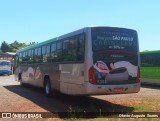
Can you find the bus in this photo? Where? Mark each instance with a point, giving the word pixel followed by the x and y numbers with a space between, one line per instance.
pixel 150 58
pixel 90 61
pixel 150 64
pixel 5 67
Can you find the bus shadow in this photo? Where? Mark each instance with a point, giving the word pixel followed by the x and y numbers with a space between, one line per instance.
pixel 63 105
pixel 3 74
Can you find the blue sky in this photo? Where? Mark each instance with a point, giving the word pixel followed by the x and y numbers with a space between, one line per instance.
pixel 38 20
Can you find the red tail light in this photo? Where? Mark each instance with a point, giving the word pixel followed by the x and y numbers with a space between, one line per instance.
pixel 138 75
pixel 92 78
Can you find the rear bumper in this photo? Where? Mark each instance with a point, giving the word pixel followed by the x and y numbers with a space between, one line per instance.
pixel 91 89
pixel 110 89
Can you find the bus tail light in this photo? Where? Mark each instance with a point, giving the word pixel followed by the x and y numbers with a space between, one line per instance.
pixel 138 75
pixel 92 78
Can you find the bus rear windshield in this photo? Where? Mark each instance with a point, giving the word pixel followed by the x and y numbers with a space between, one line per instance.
pixel 3 63
pixel 108 38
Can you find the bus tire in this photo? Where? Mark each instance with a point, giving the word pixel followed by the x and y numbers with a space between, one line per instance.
pixel 20 80
pixel 47 87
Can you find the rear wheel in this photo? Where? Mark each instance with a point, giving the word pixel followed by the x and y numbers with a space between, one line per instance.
pixel 20 79
pixel 47 87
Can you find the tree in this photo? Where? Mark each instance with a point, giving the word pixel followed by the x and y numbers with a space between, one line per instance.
pixel 5 47
pixel 32 43
pixel 13 47
pixel 16 46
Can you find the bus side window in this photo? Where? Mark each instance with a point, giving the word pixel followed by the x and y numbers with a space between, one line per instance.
pixel 81 47
pixel 48 53
pixel 70 49
pixel 24 58
pixel 53 52
pixel 59 51
pixel 36 55
pixel 66 48
pixel 73 49
pixel 20 57
pixel 29 56
pixel 39 58
pixel 44 57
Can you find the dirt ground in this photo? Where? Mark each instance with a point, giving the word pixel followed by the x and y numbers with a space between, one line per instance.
pixel 14 98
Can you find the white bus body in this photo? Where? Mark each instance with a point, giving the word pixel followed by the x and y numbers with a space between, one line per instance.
pixel 107 64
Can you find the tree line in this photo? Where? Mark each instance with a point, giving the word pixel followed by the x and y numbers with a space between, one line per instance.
pixel 13 47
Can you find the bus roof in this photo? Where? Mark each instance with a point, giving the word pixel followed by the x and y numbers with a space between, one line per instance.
pixel 52 40
pixel 150 51
pixel 65 35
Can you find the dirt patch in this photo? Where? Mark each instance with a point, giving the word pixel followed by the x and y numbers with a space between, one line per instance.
pixel 14 98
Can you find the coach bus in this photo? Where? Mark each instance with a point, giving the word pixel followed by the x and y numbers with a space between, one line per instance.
pixel 89 61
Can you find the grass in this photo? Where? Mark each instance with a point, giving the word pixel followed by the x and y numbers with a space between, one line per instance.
pixel 150 72
pixel 146 105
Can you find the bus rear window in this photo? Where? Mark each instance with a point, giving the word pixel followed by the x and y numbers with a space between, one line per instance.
pixel 3 63
pixel 114 39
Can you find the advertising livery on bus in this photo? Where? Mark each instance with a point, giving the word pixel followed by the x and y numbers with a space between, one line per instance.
pixel 89 61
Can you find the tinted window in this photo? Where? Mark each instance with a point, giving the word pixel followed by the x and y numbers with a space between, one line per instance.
pixel 24 57
pixel 59 46
pixel 70 49
pixel 73 49
pixel 53 52
pixel 29 53
pixel 3 63
pixel 53 47
pixel 32 52
pixel 39 58
pixel 32 56
pixel 39 51
pixel 20 57
pixel 36 52
pixel 48 49
pixel 43 50
pixel 24 54
pixel 59 51
pixel 81 47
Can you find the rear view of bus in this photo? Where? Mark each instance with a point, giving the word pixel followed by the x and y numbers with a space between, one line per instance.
pixel 115 65
pixel 5 67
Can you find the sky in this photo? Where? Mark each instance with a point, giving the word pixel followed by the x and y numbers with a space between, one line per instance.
pixel 39 20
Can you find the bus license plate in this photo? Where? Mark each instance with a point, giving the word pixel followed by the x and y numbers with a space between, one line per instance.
pixel 118 89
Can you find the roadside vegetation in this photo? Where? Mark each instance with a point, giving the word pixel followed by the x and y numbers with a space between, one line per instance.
pixel 140 107
pixel 14 46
